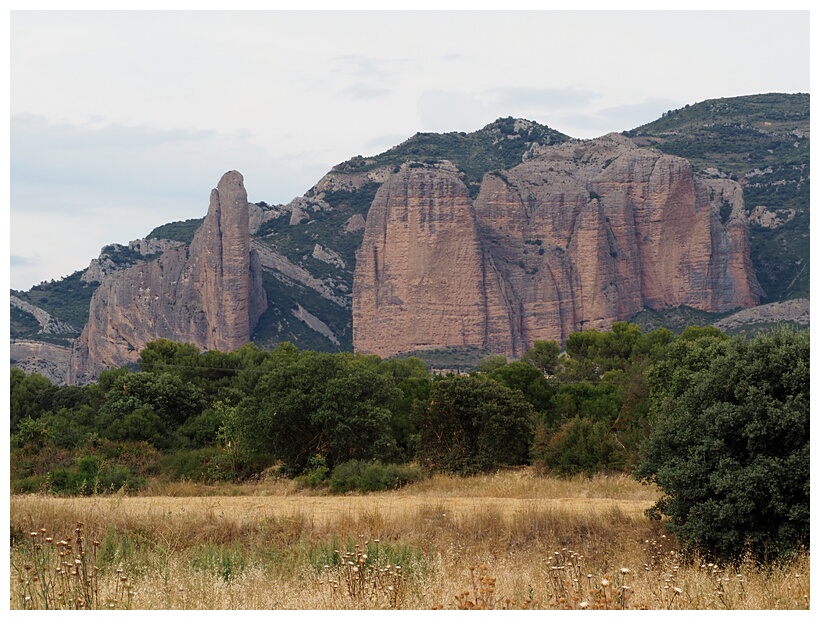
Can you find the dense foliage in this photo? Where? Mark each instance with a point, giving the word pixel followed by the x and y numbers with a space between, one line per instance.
pixel 730 442
pixel 719 423
pixel 474 424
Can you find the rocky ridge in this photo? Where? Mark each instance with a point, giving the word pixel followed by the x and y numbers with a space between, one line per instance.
pixel 307 249
pixel 578 236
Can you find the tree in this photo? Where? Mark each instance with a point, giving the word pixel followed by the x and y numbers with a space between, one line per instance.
pixel 330 406
pixel 27 391
pixel 730 443
pixel 579 436
pixel 474 424
pixel 543 355
pixel 529 380
pixel 592 353
pixel 148 406
pixel 493 362
pixel 413 379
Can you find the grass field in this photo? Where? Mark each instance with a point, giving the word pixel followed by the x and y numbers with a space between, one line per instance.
pixel 510 540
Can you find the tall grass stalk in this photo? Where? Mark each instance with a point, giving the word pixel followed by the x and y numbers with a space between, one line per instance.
pixel 507 541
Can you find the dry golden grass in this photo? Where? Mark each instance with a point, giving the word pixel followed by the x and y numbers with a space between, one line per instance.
pixel 509 540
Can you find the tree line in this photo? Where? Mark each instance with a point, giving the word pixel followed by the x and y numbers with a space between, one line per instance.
pixel 716 421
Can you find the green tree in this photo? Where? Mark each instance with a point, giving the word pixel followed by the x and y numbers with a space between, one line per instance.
pixel 167 356
pixel 27 392
pixel 148 406
pixel 543 355
pixel 413 379
pixel 528 380
pixel 30 433
pixel 730 443
pixel 488 364
pixel 323 405
pixel 581 445
pixel 474 424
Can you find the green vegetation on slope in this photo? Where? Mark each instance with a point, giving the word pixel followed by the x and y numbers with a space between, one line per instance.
pixel 177 231
pixel 67 300
pixel 675 319
pixel 500 145
pixel 279 324
pixel 763 142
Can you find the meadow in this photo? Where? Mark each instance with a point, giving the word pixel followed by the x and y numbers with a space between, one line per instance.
pixel 510 540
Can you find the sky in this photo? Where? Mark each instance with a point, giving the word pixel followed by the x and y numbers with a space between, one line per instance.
pixel 123 121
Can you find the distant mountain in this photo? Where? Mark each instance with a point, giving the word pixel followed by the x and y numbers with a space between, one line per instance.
pixel 307 249
pixel 762 141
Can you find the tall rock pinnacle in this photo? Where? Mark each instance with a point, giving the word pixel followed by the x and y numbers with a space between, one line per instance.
pixel 208 294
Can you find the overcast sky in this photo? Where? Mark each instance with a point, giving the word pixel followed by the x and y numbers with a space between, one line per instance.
pixel 123 121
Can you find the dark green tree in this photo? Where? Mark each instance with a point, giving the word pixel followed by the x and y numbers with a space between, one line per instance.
pixel 27 392
pixel 527 379
pixel 730 443
pixel 488 364
pixel 148 406
pixel 324 406
pixel 413 379
pixel 474 424
pixel 543 355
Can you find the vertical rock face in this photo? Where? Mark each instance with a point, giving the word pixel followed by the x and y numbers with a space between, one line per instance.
pixel 223 270
pixel 419 273
pixel 209 293
pixel 579 236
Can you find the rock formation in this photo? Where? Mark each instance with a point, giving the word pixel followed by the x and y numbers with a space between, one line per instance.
pixel 209 293
pixel 50 360
pixel 578 236
pixel 419 279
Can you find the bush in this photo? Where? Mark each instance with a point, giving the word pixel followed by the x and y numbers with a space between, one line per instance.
pixel 581 446
pixel 368 477
pixel 474 424
pixel 730 445
pixel 91 476
pixel 194 465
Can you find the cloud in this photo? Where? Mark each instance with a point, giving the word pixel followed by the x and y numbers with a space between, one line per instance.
pixel 77 187
pixel 380 144
pixel 365 66
pixel 22 261
pixel 371 67
pixel 542 98
pixel 637 114
pixel 616 118
pixel 365 91
pixel 445 111
pixel 140 164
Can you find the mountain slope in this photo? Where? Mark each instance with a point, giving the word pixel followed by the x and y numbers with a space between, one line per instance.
pixel 762 141
pixel 307 248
